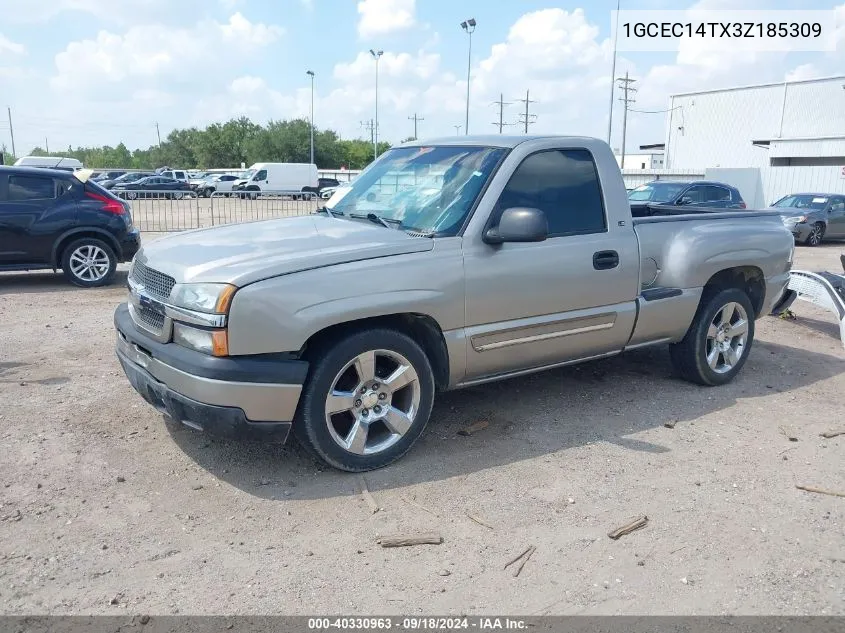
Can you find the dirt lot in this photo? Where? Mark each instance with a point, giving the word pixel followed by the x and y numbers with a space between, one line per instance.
pixel 106 509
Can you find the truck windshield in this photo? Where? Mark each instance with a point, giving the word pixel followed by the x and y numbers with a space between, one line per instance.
pixel 421 189
pixel 656 192
pixel 802 202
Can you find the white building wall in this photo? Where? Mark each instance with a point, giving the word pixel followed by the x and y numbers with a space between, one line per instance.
pixel 716 129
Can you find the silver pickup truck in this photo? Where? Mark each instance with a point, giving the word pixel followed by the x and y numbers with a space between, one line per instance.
pixel 445 264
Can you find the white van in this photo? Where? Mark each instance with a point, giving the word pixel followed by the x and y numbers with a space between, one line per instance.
pixel 51 162
pixel 279 177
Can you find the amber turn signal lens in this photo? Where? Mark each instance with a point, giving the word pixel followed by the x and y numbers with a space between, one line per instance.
pixel 225 300
pixel 220 343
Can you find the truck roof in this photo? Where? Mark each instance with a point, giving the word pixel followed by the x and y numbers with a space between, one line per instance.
pixel 494 140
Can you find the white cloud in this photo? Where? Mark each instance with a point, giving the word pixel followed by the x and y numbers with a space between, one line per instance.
pixel 423 65
pixel 379 17
pixel 8 46
pixel 155 52
pixel 108 10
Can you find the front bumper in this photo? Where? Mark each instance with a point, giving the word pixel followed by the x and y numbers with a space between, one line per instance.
pixel 800 231
pixel 130 245
pixel 250 397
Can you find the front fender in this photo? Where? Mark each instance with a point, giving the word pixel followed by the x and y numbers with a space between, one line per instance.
pixel 282 313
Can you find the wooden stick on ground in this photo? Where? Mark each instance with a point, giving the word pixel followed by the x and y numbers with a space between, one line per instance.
pixel 405 540
pixel 516 558
pixel 636 524
pixel 821 491
pixel 518 568
pixel 368 497
pixel 479 521
pixel 830 434
pixel 420 506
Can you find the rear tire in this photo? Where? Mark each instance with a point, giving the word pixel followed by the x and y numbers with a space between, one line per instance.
pixel 382 405
pixel 816 235
pixel 89 263
pixel 719 340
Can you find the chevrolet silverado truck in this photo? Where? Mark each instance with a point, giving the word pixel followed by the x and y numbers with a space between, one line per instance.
pixel 446 263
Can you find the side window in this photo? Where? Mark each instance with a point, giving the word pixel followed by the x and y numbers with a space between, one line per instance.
pixel 179 175
pixel 227 178
pixel 261 175
pixel 715 194
pixel 697 193
pixel 31 188
pixel 564 185
pixel 837 204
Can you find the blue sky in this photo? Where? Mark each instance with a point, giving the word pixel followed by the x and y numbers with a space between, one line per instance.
pixel 87 72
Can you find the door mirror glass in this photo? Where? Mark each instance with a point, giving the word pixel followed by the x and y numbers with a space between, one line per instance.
pixel 519 224
pixel 684 200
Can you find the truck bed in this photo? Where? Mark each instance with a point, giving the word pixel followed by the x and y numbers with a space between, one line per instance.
pixel 659 211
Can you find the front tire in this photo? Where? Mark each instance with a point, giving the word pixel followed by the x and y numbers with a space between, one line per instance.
pixel 367 400
pixel 89 263
pixel 719 340
pixel 816 235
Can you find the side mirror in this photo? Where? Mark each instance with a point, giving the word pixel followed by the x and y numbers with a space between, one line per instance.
pixel 684 200
pixel 519 224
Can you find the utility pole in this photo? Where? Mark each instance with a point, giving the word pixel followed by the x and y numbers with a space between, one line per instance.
pixel 526 118
pixel 370 127
pixel 46 145
pixel 310 73
pixel 501 103
pixel 159 135
pixel 625 83
pixel 415 118
pixel 11 131
pixel 457 129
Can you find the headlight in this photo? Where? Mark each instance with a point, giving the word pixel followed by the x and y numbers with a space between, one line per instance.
pixel 798 219
pixel 211 298
pixel 211 342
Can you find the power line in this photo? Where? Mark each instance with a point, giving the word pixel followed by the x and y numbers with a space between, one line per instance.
pixel 527 119
pixel 654 111
pixel 625 83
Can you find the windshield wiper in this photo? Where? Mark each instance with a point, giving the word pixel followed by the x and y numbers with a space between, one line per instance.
pixel 329 212
pixel 377 219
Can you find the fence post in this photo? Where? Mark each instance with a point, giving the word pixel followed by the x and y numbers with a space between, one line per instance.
pixel 211 205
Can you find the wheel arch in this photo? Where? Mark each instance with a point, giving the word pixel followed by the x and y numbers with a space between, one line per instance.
pixel 422 328
pixel 77 233
pixel 749 279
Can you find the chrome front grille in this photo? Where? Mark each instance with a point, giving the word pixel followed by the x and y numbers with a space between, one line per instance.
pixel 150 318
pixel 155 283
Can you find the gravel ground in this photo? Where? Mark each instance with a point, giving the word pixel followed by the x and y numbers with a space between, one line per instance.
pixel 105 508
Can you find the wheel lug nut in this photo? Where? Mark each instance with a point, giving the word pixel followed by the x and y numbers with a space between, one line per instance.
pixel 376 409
pixel 357 403
pixel 375 386
pixel 382 396
pixel 365 412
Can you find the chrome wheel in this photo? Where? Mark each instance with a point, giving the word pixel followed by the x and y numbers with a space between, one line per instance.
pixel 177 196
pixel 89 263
pixel 131 195
pixel 815 237
pixel 373 402
pixel 726 338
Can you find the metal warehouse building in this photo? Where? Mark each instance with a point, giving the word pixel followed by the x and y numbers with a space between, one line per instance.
pixel 768 139
pixel 798 123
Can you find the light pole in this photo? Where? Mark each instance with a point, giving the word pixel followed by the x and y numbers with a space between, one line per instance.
pixel 469 27
pixel 311 74
pixel 376 56
pixel 457 130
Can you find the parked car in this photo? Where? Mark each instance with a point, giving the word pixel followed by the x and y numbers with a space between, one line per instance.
pixel 54 219
pixel 175 174
pixel 813 216
pixel 342 325
pixel 153 187
pixel 279 177
pixel 128 177
pixel 700 193
pixel 107 175
pixel 325 183
pixel 198 179
pixel 218 183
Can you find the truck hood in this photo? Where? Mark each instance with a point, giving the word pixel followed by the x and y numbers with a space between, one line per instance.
pixel 241 254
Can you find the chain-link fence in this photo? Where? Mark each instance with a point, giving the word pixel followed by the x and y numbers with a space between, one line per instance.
pixel 167 211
